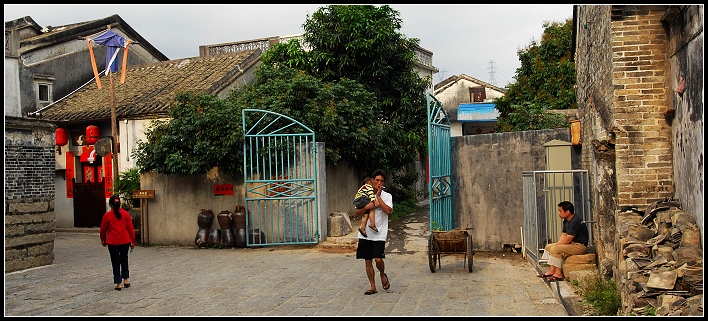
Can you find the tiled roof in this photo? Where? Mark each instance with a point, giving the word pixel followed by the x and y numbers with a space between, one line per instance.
pixel 51 36
pixel 439 87
pixel 149 90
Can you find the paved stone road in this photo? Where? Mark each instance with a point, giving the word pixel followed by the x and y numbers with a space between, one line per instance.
pixel 275 281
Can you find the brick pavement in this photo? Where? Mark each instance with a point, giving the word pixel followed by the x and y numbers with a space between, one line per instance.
pixel 272 281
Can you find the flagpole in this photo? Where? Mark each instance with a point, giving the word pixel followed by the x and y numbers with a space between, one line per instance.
pixel 114 132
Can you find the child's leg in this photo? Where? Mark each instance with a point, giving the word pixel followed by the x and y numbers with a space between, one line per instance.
pixel 372 219
pixel 364 219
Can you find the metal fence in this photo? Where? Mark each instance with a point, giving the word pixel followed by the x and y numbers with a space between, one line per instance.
pixel 542 191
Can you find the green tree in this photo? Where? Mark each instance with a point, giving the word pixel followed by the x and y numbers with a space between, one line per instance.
pixel 545 81
pixel 128 182
pixel 339 112
pixel 202 132
pixel 363 43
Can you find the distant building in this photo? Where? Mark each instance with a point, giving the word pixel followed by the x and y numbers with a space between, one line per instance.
pixel 468 103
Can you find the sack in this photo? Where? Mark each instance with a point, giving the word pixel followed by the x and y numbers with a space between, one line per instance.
pixel 361 201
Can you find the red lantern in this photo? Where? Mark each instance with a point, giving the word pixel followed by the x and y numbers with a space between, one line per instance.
pixel 61 136
pixel 93 134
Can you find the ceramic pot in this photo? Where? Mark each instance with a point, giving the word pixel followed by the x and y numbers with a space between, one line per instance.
pixel 214 237
pixel 240 237
pixel 239 226
pixel 224 219
pixel 201 239
pixel 256 236
pixel 227 238
pixel 239 218
pixel 205 218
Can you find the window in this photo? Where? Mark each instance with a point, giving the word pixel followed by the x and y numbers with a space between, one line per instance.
pixel 43 88
pixel 43 92
pixel 478 94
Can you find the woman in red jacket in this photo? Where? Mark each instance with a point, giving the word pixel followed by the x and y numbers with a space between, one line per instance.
pixel 118 233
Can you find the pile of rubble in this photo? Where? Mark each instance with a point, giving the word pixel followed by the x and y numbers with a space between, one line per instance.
pixel 661 264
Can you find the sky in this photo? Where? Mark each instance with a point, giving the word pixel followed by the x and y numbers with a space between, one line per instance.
pixel 480 40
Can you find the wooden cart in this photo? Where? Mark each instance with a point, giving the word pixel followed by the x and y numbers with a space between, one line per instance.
pixel 456 241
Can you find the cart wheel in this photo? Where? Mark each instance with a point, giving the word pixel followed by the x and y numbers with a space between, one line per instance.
pixel 433 256
pixel 470 252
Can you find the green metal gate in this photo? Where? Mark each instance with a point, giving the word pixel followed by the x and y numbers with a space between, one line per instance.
pixel 439 167
pixel 280 171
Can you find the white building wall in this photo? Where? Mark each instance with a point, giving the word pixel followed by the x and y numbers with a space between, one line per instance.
pixel 12 88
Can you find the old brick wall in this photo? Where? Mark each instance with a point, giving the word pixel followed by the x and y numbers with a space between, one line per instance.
pixel 622 65
pixel 642 141
pixel 29 193
pixel 644 153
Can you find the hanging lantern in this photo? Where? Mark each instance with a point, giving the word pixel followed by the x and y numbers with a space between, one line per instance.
pixel 93 134
pixel 61 137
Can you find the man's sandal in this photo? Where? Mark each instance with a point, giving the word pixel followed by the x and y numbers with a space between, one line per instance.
pixel 386 285
pixel 370 292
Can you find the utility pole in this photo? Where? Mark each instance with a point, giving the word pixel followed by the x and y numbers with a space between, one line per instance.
pixel 114 132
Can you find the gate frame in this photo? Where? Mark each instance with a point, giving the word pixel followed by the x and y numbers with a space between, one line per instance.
pixel 440 185
pixel 537 210
pixel 280 192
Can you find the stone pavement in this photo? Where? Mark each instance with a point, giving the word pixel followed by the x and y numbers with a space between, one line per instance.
pixel 307 280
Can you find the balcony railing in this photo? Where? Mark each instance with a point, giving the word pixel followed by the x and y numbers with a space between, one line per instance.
pixel 422 56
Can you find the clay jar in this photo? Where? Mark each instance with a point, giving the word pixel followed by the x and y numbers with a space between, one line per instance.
pixel 227 236
pixel 256 237
pixel 239 226
pixel 224 219
pixel 204 220
pixel 214 238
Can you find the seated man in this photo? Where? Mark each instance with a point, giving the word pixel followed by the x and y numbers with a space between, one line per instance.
pixel 572 241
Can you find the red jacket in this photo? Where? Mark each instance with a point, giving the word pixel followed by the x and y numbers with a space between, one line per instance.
pixel 116 231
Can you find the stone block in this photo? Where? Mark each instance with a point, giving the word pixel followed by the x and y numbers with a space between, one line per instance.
pixel 338 224
pixel 581 275
pixel 28 207
pixel 581 259
pixel 568 268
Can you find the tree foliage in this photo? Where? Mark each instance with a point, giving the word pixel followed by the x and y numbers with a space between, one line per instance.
pixel 339 112
pixel 362 42
pixel 202 132
pixel 356 88
pixel 545 81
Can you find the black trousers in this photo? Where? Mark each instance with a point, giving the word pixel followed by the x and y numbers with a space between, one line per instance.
pixel 119 261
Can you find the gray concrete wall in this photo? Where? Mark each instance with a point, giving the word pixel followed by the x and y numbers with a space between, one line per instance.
pixel 342 184
pixel 487 176
pixel 172 214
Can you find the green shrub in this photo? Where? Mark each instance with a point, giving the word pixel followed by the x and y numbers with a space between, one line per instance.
pixel 647 310
pixel 128 182
pixel 602 295
pixel 403 208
